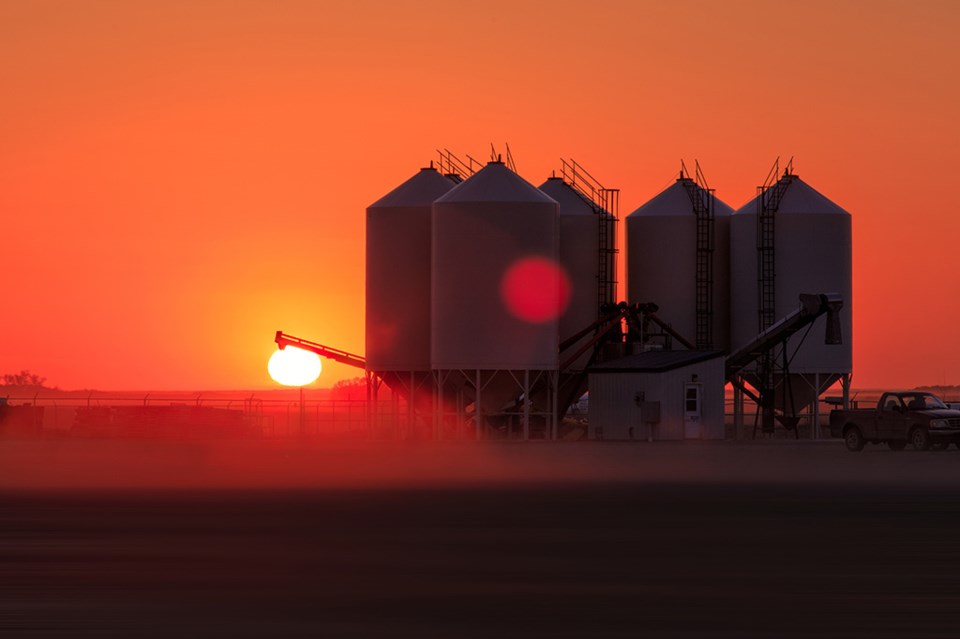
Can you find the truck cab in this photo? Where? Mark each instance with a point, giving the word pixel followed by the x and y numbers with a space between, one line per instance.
pixel 900 417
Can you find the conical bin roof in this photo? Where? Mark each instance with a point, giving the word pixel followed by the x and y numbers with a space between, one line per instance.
pixel 675 200
pixel 571 202
pixel 800 198
pixel 420 190
pixel 495 183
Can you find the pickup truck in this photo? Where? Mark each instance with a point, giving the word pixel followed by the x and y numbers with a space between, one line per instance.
pixel 919 418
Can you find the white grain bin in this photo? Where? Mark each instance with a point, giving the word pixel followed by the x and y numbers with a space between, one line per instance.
pixel 812 254
pixel 398 274
pixel 580 259
pixel 662 260
pixel 483 230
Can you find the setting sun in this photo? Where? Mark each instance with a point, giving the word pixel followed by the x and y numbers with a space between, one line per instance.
pixel 293 366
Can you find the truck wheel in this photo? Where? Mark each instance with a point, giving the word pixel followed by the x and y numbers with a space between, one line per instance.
pixel 897 444
pixel 853 439
pixel 920 438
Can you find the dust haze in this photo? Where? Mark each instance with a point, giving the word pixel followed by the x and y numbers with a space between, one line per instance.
pixel 70 464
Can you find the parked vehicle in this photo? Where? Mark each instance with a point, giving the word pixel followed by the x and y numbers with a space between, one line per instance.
pixel 901 417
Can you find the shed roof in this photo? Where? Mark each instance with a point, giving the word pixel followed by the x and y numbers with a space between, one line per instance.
pixel 654 361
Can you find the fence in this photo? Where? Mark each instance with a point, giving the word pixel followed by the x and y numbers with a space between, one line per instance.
pixel 245 415
pixel 196 415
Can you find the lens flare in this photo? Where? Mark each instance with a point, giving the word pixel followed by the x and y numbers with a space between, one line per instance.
pixel 535 289
pixel 294 366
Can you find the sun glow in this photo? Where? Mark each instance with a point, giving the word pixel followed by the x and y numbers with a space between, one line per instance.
pixel 294 366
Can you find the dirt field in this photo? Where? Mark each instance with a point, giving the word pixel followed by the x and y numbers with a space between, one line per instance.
pixel 511 540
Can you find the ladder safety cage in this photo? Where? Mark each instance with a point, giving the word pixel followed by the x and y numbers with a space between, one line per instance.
pixel 769 196
pixel 702 200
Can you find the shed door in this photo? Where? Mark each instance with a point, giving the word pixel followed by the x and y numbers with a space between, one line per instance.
pixel 692 424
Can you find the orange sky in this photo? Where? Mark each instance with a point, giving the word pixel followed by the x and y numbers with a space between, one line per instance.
pixel 180 179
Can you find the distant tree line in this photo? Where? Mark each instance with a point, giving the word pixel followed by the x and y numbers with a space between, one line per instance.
pixel 355 388
pixel 24 378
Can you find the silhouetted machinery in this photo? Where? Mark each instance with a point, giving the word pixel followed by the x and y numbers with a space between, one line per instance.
pixel 757 369
pixel 374 379
pixel 760 369
pixel 762 350
pixel 619 326
pixel 283 340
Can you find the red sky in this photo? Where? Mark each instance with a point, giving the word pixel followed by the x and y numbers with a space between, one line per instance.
pixel 180 179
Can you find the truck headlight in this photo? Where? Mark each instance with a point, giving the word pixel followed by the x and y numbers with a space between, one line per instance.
pixel 939 423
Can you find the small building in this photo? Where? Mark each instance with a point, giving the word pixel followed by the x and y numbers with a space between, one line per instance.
pixel 658 396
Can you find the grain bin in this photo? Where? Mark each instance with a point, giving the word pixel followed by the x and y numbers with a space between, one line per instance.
pixel 812 253
pixel 662 262
pixel 579 257
pixel 483 231
pixel 497 286
pixel 398 274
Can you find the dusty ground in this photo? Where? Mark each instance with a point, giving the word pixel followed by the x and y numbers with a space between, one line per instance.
pixel 503 540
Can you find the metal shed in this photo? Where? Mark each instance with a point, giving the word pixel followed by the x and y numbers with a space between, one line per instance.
pixel 658 396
